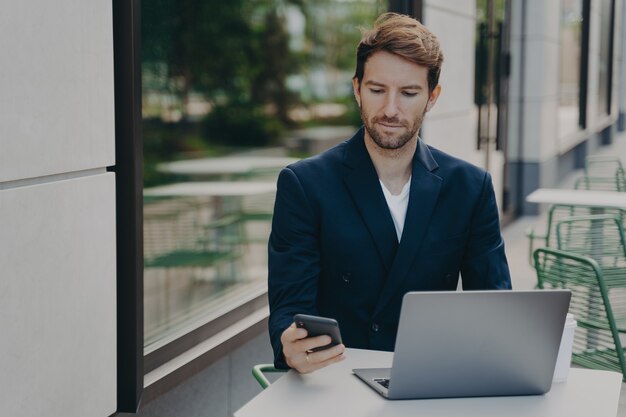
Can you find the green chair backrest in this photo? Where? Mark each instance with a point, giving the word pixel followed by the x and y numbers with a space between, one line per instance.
pixel 602 165
pixel 556 212
pixel 596 342
pixel 615 183
pixel 600 237
pixel 602 173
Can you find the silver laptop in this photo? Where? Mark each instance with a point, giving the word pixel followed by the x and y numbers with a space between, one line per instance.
pixel 473 344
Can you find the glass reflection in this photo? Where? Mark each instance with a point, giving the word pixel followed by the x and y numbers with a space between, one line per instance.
pixel 232 92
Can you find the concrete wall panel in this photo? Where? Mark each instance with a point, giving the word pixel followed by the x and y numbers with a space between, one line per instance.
pixel 457 74
pixel 56 78
pixel 454 135
pixel 57 298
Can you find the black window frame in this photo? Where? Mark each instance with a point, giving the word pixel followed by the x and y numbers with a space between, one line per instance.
pixel 609 94
pixel 584 65
pixel 414 8
pixel 604 106
pixel 129 202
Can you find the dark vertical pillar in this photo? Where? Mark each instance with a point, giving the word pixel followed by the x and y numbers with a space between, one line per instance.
pixel 606 136
pixel 409 7
pixel 580 154
pixel 129 204
pixel 584 64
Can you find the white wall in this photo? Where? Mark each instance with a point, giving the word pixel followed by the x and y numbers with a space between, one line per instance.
pixel 543 139
pixel 57 210
pixel 452 124
pixel 540 70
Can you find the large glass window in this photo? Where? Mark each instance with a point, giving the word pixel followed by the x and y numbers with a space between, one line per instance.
pixel 570 64
pixel 232 92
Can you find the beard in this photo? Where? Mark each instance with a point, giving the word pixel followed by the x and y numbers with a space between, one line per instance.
pixel 394 141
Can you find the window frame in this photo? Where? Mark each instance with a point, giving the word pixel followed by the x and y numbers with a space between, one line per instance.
pixel 584 65
pixel 414 8
pixel 129 203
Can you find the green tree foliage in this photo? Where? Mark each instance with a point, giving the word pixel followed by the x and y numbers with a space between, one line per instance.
pixel 276 63
pixel 205 45
pixel 235 53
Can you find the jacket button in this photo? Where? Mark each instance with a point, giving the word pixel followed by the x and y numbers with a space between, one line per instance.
pixel 375 327
pixel 346 277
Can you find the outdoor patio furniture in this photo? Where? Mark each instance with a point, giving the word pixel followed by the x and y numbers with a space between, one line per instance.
pixel 568 203
pixel 177 234
pixel 604 173
pixel 258 371
pixel 600 237
pixel 548 239
pixel 598 306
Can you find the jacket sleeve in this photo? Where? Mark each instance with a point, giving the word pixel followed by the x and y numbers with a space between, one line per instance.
pixel 484 264
pixel 293 259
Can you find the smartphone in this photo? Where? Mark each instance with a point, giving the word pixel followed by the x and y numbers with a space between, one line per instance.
pixel 318 326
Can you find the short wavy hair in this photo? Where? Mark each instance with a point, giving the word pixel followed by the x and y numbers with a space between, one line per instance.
pixel 403 36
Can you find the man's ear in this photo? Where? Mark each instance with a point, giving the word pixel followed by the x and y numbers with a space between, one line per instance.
pixel 356 87
pixel 434 95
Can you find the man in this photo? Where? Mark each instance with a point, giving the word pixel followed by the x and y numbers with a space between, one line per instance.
pixel 361 224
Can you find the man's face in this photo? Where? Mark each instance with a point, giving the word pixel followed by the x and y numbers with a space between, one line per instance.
pixel 393 98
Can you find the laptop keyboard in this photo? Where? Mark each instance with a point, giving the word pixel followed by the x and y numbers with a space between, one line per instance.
pixel 383 381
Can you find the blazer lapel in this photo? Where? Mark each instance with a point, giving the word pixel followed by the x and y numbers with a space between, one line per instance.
pixel 425 188
pixel 362 182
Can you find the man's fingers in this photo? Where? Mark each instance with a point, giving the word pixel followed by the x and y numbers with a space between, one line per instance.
pixel 296 344
pixel 332 355
pixel 326 354
pixel 292 334
pixel 312 342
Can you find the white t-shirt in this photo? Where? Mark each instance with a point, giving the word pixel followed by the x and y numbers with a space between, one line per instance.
pixel 398 205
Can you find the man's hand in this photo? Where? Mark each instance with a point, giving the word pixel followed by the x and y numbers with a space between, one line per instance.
pixel 297 350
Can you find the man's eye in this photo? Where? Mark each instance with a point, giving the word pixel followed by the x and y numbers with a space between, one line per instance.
pixel 408 94
pixel 376 90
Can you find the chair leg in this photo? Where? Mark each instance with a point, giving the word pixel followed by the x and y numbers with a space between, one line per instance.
pixel 258 371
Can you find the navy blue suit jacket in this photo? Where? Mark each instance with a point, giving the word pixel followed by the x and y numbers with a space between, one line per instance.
pixel 334 252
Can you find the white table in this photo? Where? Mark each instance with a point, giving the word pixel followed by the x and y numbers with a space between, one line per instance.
pixel 228 165
pixel 611 199
pixel 211 189
pixel 215 191
pixel 335 391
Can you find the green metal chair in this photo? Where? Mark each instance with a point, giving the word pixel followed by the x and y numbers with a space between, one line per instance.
pixel 177 235
pixel 548 239
pixel 258 371
pixel 558 212
pixel 602 173
pixel 615 183
pixel 602 165
pixel 598 307
pixel 254 218
pixel 599 237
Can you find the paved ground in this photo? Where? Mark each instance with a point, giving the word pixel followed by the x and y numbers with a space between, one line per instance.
pixel 522 275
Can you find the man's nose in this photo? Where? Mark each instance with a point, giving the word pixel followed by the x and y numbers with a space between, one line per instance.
pixel 391 106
